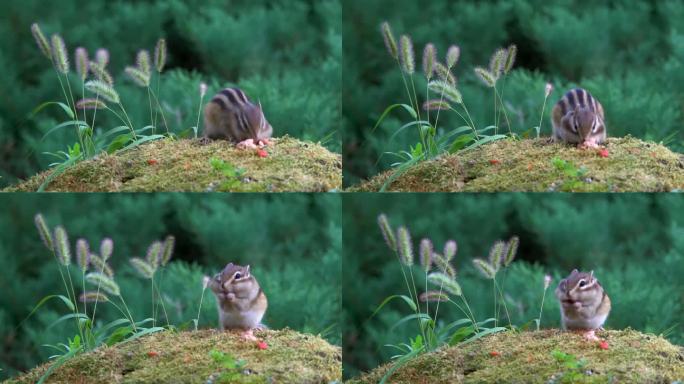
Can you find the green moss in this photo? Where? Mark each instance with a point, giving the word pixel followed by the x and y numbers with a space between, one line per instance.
pixel 185 165
pixel 632 165
pixel 184 357
pixel 528 357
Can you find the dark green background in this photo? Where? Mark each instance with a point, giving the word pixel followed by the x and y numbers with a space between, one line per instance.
pixel 628 53
pixel 633 242
pixel 293 243
pixel 285 53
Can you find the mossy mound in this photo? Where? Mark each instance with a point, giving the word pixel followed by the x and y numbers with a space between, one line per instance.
pixel 185 165
pixel 290 357
pixel 544 357
pixel 536 165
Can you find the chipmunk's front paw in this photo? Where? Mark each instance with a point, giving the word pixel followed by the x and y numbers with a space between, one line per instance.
pixel 204 140
pixel 590 335
pixel 264 142
pixel 245 144
pixel 249 335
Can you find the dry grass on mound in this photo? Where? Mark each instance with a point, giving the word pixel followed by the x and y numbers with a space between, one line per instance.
pixel 535 165
pixel 184 357
pixel 185 165
pixel 548 356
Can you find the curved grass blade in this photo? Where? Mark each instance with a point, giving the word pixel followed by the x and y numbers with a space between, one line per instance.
pixel 407 299
pixel 78 123
pixel 420 123
pixel 65 107
pixel 389 109
pixel 79 316
pixel 58 171
pixel 421 316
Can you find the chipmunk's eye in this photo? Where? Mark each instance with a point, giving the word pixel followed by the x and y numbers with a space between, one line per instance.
pixel 582 283
pixel 238 276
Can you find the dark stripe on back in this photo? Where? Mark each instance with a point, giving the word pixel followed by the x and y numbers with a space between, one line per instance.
pixel 590 102
pixel 228 92
pixel 220 102
pixel 580 97
pixel 571 99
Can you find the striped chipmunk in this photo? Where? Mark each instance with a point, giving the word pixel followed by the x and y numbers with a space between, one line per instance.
pixel 577 118
pixel 231 116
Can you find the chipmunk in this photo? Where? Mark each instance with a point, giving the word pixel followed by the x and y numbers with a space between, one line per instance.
pixel 584 303
pixel 578 118
pixel 241 301
pixel 231 116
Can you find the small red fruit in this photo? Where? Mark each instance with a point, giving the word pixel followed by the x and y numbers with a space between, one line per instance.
pixel 152 353
pixel 603 344
pixel 262 345
pixel 152 162
pixel 262 153
pixel 494 162
pixel 494 353
pixel 603 152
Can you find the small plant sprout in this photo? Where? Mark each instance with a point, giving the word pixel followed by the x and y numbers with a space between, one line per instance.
pixel 547 91
pixel 441 94
pixel 95 271
pixel 439 273
pixel 202 92
pixel 101 84
pixel 501 255
pixel 547 283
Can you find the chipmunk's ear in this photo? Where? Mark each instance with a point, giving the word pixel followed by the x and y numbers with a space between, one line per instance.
pixel 574 271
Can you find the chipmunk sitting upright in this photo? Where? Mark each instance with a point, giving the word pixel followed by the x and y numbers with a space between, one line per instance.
pixel 578 118
pixel 241 301
pixel 231 116
pixel 584 303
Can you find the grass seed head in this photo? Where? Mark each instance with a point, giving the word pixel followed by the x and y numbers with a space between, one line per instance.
pixel 62 247
pixel 142 267
pixel 429 58
pixel 447 90
pixel 425 251
pixel 485 76
pixel 82 254
pixel 405 246
pixel 81 61
pixel 408 62
pixel 485 269
pixel 42 42
pixel 60 54
pixel 160 55
pixel 387 232
pixel 43 231
pixel 390 43
pixel 445 282
pixel 103 89
pixel 453 53
pixel 105 282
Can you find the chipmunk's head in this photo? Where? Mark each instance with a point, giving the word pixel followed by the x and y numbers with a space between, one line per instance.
pixel 258 125
pixel 586 123
pixel 578 288
pixel 233 278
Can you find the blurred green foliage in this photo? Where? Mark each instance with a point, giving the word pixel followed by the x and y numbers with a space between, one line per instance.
pixel 634 243
pixel 285 53
pixel 628 54
pixel 290 241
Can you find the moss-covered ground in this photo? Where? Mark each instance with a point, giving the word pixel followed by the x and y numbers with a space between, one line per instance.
pixel 186 165
pixel 537 165
pixel 548 356
pixel 288 357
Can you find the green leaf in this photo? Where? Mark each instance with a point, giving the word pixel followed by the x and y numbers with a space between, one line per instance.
pixel 484 333
pixel 119 142
pixel 80 124
pixel 66 108
pixel 389 109
pixel 419 123
pixel 144 332
pixel 143 140
pixel 407 299
pixel 67 317
pixel 404 319
pixel 461 142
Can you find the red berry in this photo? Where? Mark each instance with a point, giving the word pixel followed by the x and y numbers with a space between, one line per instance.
pixel 494 161
pixel 494 353
pixel 603 152
pixel 152 162
pixel 152 353
pixel 262 153
pixel 603 344
pixel 262 345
